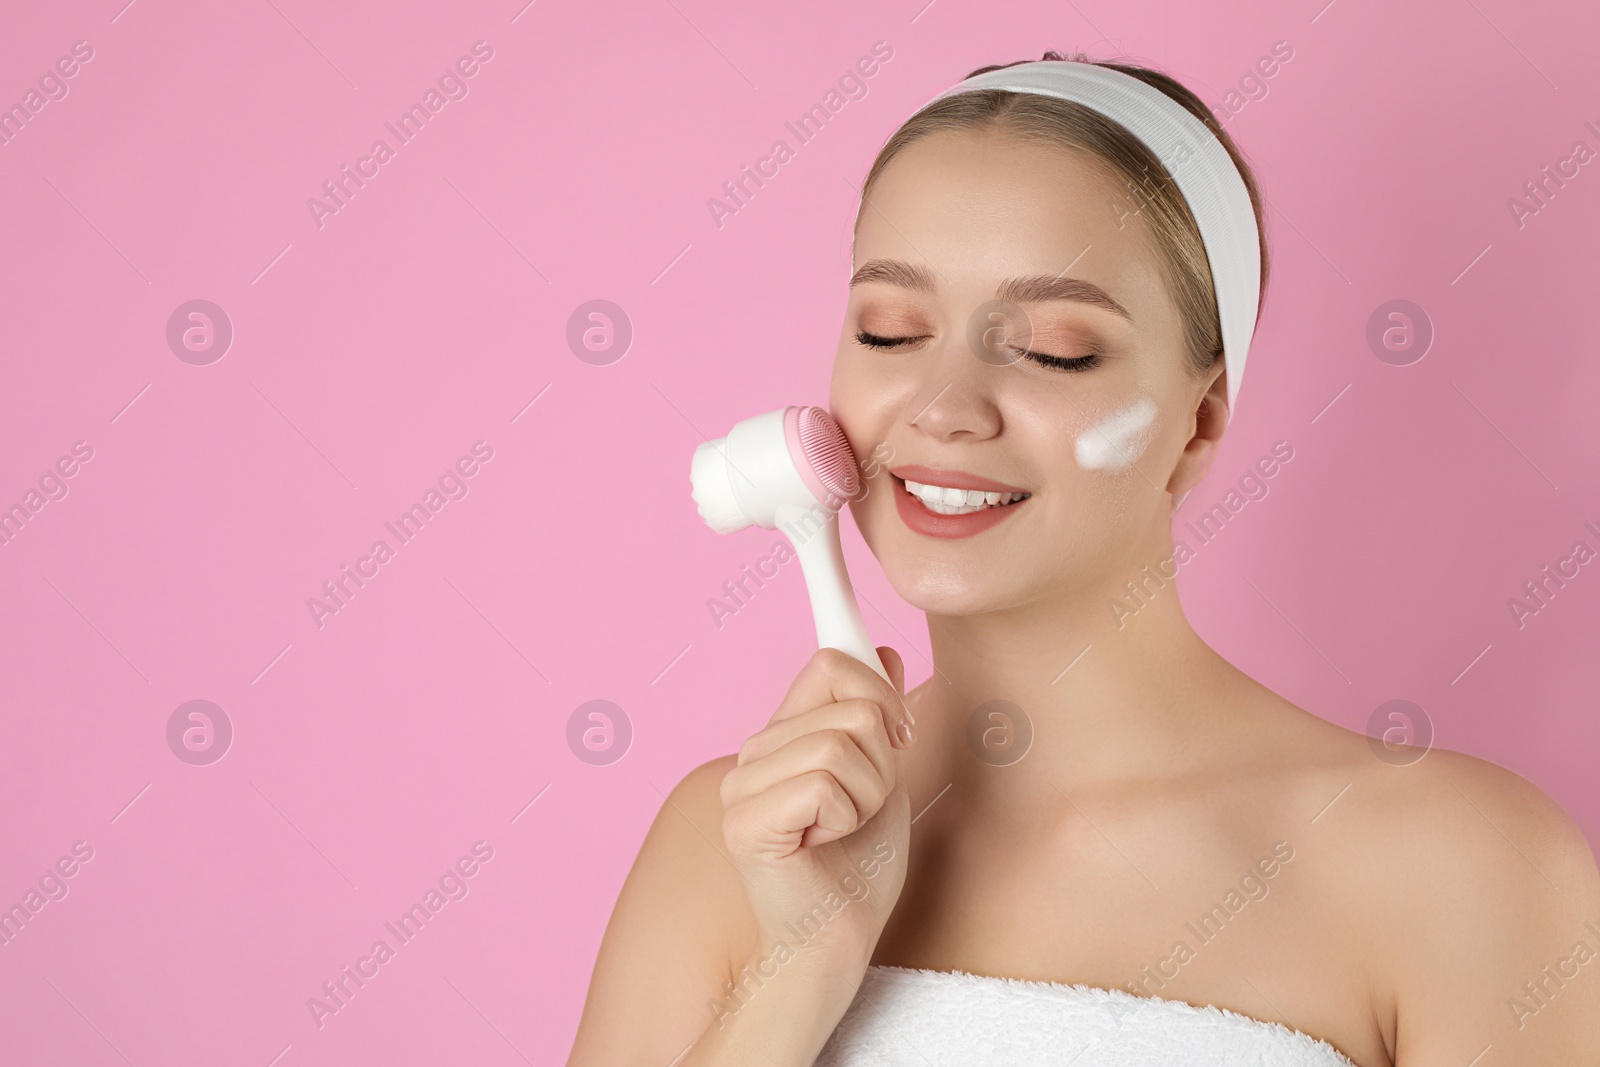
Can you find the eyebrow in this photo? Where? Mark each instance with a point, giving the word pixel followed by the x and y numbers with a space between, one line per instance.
pixel 1031 290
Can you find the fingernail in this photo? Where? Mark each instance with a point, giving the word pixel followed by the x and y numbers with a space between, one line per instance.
pixel 905 733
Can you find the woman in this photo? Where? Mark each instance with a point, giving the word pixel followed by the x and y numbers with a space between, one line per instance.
pixel 1086 838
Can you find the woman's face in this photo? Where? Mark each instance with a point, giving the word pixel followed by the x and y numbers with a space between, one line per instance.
pixel 974 248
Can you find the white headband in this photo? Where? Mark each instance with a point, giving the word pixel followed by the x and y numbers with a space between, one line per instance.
pixel 1197 161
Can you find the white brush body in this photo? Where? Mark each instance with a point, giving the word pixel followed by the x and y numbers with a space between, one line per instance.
pixel 751 478
pixel 814 532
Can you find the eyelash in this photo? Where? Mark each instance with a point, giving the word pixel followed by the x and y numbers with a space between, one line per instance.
pixel 1075 363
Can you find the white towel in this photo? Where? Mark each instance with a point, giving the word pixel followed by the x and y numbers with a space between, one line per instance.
pixel 903 1017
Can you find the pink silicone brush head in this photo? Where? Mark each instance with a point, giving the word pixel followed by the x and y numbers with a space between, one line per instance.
pixel 825 450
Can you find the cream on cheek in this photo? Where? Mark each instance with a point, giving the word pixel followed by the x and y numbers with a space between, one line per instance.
pixel 1117 441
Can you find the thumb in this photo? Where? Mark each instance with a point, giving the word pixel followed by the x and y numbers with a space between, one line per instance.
pixel 895 666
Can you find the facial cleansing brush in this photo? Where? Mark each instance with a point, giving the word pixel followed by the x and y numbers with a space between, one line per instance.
pixel 791 470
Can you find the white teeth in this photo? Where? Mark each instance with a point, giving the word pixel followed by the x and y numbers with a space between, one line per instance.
pixel 947 501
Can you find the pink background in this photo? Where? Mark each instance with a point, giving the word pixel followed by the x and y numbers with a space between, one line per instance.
pixel 371 352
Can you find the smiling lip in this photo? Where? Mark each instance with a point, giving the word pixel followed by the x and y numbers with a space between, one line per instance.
pixel 920 520
pixel 952 479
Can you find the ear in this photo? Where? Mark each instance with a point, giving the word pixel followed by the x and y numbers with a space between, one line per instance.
pixel 1207 423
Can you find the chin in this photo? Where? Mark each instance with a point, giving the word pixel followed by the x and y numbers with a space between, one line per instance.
pixel 948 578
pixel 948 594
pixel 993 571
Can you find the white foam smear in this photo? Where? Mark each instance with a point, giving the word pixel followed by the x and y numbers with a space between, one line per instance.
pixel 1117 441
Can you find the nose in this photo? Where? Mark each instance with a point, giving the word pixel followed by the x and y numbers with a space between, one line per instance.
pixel 955 400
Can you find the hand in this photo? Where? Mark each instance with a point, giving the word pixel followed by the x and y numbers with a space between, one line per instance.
pixel 816 815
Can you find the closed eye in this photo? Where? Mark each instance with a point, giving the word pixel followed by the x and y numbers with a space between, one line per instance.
pixel 872 340
pixel 1062 363
pixel 1074 363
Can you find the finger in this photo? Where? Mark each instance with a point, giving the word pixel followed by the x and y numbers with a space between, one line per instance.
pixel 831 676
pixel 861 719
pixel 833 751
pixel 774 822
pixel 897 673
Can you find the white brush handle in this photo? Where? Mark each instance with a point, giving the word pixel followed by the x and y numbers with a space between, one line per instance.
pixel 814 532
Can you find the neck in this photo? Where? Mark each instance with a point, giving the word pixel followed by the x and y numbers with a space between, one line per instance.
pixel 1112 694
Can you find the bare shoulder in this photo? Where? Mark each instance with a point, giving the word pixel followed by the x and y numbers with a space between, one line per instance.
pixel 695 837
pixel 1478 896
pixel 1466 825
pixel 665 957
pixel 1427 809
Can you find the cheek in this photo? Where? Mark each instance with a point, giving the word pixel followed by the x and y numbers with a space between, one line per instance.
pixel 845 385
pixel 864 402
pixel 849 407
pixel 1115 440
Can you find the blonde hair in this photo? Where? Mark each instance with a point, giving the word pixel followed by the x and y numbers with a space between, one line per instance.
pixel 1064 124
